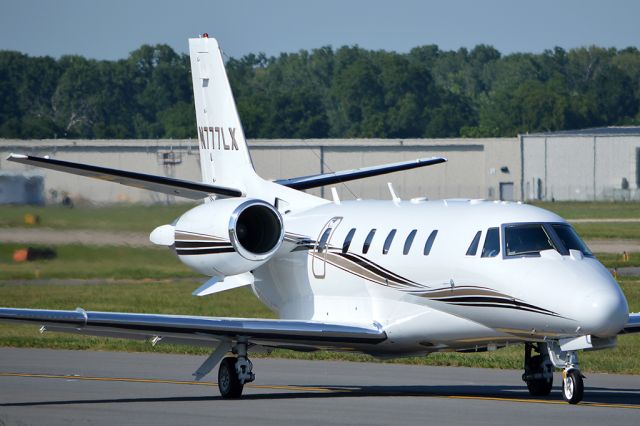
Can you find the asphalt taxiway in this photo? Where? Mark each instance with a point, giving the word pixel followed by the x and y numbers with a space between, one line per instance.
pixel 39 386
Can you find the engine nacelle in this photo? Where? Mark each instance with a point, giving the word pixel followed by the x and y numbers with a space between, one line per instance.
pixel 228 237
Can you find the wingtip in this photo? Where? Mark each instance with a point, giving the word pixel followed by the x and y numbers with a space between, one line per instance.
pixel 13 157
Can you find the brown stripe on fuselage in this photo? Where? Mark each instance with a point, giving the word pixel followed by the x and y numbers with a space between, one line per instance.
pixel 194 236
pixel 459 291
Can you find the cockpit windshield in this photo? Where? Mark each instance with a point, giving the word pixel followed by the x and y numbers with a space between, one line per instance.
pixel 526 239
pixel 529 239
pixel 570 238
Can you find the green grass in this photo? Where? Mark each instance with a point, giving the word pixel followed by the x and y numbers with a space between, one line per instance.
pixel 609 230
pixel 176 299
pixel 142 218
pixel 614 260
pixel 85 262
pixel 144 297
pixel 121 217
pixel 135 263
pixel 140 269
pixel 592 210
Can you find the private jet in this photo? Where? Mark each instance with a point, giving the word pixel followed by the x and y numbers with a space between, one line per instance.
pixel 388 278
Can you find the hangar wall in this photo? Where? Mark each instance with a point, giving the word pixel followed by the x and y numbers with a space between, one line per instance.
pixel 592 164
pixel 477 168
pixel 583 165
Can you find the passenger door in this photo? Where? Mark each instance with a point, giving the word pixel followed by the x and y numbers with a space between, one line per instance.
pixel 319 258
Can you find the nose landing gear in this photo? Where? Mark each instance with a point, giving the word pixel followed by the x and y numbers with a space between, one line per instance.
pixel 572 385
pixel 538 371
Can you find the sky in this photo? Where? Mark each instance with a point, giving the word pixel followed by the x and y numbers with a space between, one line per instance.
pixel 111 29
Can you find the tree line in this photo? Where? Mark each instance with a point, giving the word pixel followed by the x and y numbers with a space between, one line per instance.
pixel 326 93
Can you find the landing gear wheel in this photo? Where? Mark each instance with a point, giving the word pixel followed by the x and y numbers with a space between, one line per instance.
pixel 538 369
pixel 572 386
pixel 228 382
pixel 539 386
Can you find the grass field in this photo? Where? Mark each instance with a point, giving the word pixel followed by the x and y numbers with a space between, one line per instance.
pixel 140 218
pixel 136 263
pixel 593 210
pixel 622 231
pixel 138 273
pixel 84 262
pixel 120 217
pixel 176 299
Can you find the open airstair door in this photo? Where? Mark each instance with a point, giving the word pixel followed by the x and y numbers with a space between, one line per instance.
pixel 319 255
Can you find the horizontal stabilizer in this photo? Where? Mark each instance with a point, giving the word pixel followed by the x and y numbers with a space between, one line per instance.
pixel 165 185
pixel 217 284
pixel 314 181
pixel 199 330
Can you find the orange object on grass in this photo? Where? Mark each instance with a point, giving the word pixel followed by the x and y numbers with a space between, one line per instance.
pixel 20 255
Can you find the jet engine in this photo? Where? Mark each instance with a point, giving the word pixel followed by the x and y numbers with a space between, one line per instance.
pixel 224 237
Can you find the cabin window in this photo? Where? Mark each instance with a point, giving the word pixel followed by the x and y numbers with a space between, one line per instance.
pixel 367 241
pixel 473 247
pixel 491 247
pixel 429 243
pixel 347 240
pixel 409 241
pixel 526 240
pixel 570 238
pixel 322 244
pixel 388 241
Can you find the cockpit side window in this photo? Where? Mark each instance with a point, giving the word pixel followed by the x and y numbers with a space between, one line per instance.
pixel 570 238
pixel 473 247
pixel 526 239
pixel 491 247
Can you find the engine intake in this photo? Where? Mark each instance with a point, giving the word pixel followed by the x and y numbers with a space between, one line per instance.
pixel 226 237
pixel 255 230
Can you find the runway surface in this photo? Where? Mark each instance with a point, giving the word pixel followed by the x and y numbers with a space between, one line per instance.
pixel 39 386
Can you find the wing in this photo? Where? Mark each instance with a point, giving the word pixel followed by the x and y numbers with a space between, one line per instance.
pixel 166 185
pixel 202 331
pixel 633 325
pixel 306 182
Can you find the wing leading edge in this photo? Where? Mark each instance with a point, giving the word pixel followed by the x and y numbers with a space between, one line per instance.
pixel 165 185
pixel 197 330
pixel 314 181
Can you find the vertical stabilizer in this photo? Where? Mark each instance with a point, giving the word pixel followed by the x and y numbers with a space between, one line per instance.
pixel 224 155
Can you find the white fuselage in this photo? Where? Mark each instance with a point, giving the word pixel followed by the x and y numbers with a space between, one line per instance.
pixel 447 299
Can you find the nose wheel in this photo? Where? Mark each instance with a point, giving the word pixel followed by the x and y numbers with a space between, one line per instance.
pixel 572 385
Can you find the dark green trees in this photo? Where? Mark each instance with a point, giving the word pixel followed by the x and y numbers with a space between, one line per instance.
pixel 348 92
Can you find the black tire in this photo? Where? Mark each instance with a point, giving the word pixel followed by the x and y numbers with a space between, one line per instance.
pixel 541 386
pixel 228 382
pixel 572 387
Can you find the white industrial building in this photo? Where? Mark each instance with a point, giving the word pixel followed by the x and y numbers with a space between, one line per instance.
pixel 582 165
pixel 594 164
pixel 477 168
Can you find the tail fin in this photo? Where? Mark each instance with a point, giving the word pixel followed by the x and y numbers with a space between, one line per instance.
pixel 224 155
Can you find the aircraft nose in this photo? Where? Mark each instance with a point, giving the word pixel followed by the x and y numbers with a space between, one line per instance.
pixel 604 313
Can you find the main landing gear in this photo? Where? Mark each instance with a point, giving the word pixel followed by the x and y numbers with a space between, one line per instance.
pixel 538 371
pixel 234 372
